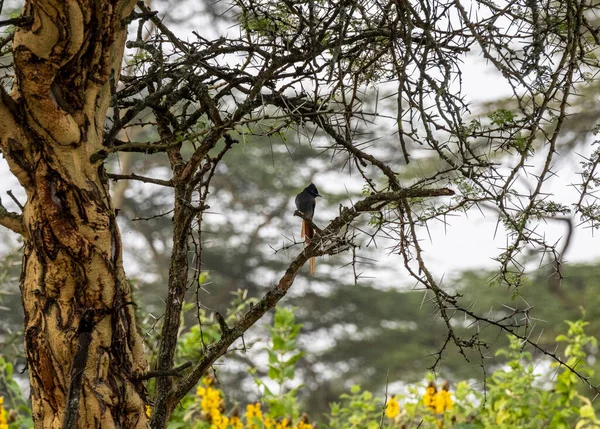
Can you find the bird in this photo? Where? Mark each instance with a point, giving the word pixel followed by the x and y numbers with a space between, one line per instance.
pixel 306 202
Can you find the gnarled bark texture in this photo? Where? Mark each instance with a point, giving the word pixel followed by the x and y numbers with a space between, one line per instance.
pixel 83 350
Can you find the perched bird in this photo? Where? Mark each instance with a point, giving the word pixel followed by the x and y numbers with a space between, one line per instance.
pixel 305 202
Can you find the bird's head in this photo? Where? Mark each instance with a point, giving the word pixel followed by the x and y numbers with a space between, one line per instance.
pixel 312 190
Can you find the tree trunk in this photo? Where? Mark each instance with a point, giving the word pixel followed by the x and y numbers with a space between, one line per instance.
pixel 84 353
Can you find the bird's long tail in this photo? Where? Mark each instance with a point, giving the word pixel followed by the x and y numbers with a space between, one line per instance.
pixel 307 234
pixel 307 231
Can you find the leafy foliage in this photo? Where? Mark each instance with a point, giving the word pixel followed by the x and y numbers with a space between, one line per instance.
pixel 283 357
pixel 516 395
pixel 11 397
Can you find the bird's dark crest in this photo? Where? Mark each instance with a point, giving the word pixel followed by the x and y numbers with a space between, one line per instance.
pixel 312 189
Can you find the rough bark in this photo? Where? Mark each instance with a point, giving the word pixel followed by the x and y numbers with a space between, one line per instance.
pixel 84 354
pixel 178 277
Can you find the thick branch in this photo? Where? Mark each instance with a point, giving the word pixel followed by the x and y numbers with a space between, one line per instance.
pixel 19 20
pixel 178 271
pixel 11 220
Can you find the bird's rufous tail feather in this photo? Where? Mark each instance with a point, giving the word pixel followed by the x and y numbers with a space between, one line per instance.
pixel 307 233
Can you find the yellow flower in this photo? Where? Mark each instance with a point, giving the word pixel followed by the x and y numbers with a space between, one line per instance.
pixel 253 411
pixel 210 399
pixel 236 423
pixel 392 408
pixel 148 410
pixel 429 399
pixel 212 404
pixel 443 400
pixel 219 421
pixel 303 423
pixel 284 424
pixel 268 422
pixel 3 421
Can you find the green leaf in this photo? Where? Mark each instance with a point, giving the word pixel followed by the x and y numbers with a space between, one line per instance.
pixel 288 372
pixel 273 358
pixel 284 318
pixel 274 373
pixel 203 277
pixel 294 359
pixel 278 342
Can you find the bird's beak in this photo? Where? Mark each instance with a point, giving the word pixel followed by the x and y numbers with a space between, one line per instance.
pixel 318 195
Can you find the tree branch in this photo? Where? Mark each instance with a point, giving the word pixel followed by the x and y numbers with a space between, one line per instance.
pixel 133 176
pixel 11 220
pixel 175 372
pixel 19 20
pixel 163 29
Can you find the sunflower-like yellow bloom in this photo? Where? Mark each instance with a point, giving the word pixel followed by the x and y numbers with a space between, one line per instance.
pixel 253 411
pixel 212 404
pixel 303 423
pixel 443 400
pixel 219 421
pixel 392 408
pixel 269 423
pixel 430 395
pixel 236 423
pixel 3 420
pixel 211 400
pixel 284 424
